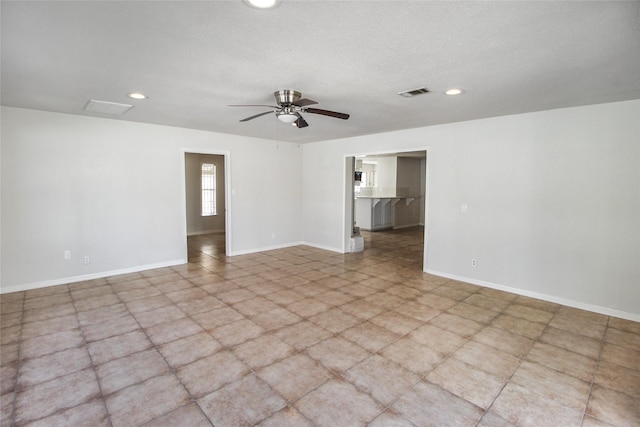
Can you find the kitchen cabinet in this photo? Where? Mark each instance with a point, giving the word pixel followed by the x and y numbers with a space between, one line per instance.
pixel 374 213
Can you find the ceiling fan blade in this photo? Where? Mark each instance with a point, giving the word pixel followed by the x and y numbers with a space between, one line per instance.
pixel 303 102
pixel 335 114
pixel 256 116
pixel 301 122
pixel 252 105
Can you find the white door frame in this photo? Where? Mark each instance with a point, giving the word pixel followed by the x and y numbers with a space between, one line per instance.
pixel 227 192
pixel 348 204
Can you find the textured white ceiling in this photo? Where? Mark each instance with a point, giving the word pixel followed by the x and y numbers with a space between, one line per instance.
pixel 194 58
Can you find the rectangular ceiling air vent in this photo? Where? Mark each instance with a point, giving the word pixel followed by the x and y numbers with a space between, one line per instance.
pixel 105 107
pixel 414 92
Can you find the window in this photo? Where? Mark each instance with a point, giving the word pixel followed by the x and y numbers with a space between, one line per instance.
pixel 208 173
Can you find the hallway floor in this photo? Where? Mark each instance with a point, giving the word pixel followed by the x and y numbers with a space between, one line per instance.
pixel 306 337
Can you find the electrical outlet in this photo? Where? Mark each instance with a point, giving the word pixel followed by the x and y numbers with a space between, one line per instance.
pixel 474 262
pixel 67 254
pixel 87 260
pixel 273 235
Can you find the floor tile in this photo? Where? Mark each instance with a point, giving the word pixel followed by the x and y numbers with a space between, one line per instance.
pixel 118 346
pixel 370 336
pixel 618 378
pixel 109 328
pixel 622 338
pixel 49 326
pixel 487 359
pixel 415 357
pixel 244 402
pixel 492 420
pixel 254 306
pixel 338 403
pixel 308 307
pixel 362 309
pixel 132 369
pixel 578 325
pixel 189 415
pixel 189 349
pixel 561 360
pixel 288 416
pixel 217 317
pixel 47 398
pixel 624 325
pixel 295 376
pixel 456 324
pixel 439 339
pixel 383 379
pixel 51 343
pixel 45 368
pixel 518 325
pixel 91 414
pixel 417 311
pixel 505 341
pixel 577 343
pixel 613 407
pixel 170 331
pixel 147 319
pixel 473 312
pixel 621 356
pixel 525 408
pixel 239 333
pixel 275 319
pixel 263 351
pixel 389 419
pixel 467 382
pixel 302 334
pixel 444 408
pixel 335 320
pixel 210 373
pixel 553 385
pixel 529 313
pixel 337 353
pixel 396 322
pixel 145 401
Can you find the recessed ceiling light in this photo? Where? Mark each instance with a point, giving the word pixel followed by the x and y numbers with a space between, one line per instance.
pixel 454 91
pixel 262 4
pixel 137 95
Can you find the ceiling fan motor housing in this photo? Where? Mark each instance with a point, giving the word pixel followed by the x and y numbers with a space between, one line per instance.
pixel 287 96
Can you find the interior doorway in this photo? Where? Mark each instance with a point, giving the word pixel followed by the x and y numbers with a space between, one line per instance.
pixel 206 205
pixel 386 196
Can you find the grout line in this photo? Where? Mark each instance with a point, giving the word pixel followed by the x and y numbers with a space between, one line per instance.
pixel 85 345
pixel 18 361
pixel 595 371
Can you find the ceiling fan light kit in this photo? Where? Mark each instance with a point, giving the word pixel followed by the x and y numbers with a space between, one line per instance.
pixel 262 4
pixel 290 105
pixel 287 118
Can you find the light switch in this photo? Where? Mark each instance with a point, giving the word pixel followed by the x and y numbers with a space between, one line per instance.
pixel 463 208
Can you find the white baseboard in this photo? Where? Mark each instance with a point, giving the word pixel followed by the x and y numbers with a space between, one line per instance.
pixel 558 300
pixel 326 248
pixel 399 227
pixel 100 275
pixel 198 233
pixel 265 248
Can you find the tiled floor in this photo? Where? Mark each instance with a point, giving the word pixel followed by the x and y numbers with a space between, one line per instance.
pixel 302 336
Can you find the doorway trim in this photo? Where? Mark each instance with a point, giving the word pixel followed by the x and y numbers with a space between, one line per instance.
pixel 348 205
pixel 227 192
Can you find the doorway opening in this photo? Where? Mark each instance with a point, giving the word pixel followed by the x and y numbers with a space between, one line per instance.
pixel 206 206
pixel 386 204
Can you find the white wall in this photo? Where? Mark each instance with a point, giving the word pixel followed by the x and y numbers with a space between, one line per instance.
pixel 114 191
pixel 553 201
pixel 196 223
